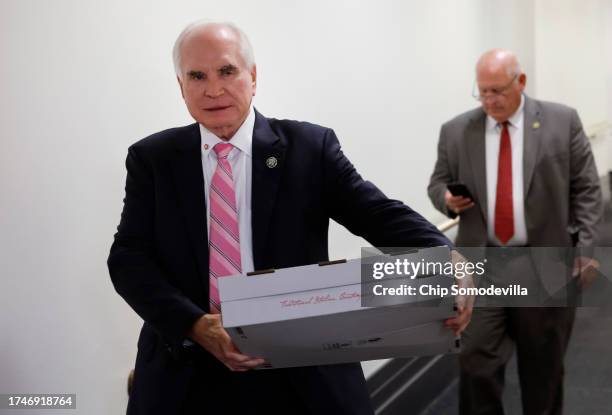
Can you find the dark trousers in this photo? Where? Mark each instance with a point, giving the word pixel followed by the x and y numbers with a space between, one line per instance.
pixel 217 390
pixel 540 336
pixel 316 390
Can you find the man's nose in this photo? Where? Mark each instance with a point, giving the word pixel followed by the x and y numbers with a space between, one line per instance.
pixel 214 88
pixel 489 98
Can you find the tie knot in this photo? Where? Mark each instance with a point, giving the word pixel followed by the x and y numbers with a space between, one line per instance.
pixel 222 149
pixel 505 124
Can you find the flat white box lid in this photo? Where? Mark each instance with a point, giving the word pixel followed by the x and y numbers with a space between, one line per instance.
pixel 313 315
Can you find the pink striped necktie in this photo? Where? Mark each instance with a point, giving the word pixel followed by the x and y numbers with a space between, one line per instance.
pixel 224 238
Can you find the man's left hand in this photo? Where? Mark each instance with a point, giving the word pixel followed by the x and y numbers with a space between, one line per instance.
pixel 465 303
pixel 459 323
pixel 585 269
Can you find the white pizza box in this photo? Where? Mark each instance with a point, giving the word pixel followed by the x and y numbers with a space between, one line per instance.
pixel 314 314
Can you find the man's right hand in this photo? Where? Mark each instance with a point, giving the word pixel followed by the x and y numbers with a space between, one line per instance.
pixel 457 204
pixel 209 333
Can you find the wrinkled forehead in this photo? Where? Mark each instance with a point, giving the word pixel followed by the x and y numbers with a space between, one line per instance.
pixel 495 72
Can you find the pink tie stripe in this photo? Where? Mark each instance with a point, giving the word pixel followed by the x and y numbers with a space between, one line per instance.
pixel 232 232
pixel 224 191
pixel 221 213
pixel 226 258
pixel 224 241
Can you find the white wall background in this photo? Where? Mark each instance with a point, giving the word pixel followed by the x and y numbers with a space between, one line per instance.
pixel 607 15
pixel 573 50
pixel 81 80
pixel 570 50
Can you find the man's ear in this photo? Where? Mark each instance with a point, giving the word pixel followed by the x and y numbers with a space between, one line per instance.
pixel 522 81
pixel 254 78
pixel 181 86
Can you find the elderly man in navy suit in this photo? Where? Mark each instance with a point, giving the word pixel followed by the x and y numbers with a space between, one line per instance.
pixel 232 193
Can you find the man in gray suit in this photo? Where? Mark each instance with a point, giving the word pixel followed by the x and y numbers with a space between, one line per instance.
pixel 530 171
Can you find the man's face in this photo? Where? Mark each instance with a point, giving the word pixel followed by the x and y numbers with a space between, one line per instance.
pixel 215 82
pixel 500 91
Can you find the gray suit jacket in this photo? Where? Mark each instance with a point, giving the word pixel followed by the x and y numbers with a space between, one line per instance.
pixel 563 201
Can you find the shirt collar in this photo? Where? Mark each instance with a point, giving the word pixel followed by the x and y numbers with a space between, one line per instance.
pixel 515 119
pixel 242 140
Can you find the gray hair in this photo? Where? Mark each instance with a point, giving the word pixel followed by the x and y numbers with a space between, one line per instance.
pixel 246 50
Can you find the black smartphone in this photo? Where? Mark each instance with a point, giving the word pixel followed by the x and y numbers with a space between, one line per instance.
pixel 459 189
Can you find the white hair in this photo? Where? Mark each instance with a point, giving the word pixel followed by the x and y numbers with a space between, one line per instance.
pixel 246 50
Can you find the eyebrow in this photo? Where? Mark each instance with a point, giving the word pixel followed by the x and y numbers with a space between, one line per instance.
pixel 228 66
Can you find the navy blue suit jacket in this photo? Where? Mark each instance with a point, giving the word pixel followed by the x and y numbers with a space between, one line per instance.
pixel 159 259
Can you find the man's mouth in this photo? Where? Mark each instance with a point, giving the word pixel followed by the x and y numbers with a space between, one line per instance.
pixel 217 108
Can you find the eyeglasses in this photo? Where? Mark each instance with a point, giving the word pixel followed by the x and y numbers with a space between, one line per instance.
pixel 493 92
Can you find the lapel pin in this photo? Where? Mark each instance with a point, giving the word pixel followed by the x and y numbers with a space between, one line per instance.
pixel 536 125
pixel 271 162
pixel 205 146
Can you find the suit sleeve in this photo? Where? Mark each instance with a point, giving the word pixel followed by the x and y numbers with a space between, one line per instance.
pixel 364 210
pixel 585 191
pixel 136 275
pixel 441 177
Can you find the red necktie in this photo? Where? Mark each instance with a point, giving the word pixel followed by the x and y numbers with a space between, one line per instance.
pixel 224 240
pixel 504 214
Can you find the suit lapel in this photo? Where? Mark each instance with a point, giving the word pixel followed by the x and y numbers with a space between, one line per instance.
pixel 531 141
pixel 268 164
pixel 475 150
pixel 189 180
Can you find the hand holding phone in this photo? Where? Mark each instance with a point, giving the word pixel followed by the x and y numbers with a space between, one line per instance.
pixel 459 189
pixel 458 198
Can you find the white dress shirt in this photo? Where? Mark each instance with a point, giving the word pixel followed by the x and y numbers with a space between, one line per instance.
pixel 240 159
pixel 492 142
